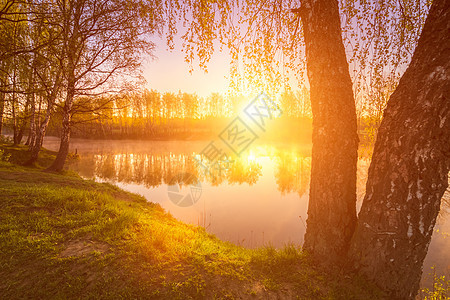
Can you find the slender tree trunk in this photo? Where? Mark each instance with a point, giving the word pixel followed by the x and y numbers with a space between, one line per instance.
pixel 24 122
pixel 41 130
pixel 409 170
pixel 28 141
pixel 13 107
pixel 60 160
pixel 31 86
pixel 38 119
pixel 58 163
pixel 35 147
pixel 332 201
pixel 32 134
pixel 2 110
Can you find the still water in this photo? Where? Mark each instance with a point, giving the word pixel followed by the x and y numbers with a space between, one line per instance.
pixel 260 198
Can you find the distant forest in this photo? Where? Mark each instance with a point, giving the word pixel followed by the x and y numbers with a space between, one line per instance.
pixel 149 114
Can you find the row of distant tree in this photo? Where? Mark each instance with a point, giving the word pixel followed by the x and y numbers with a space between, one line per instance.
pixel 149 114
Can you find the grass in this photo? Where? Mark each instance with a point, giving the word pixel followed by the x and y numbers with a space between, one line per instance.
pixel 18 154
pixel 65 237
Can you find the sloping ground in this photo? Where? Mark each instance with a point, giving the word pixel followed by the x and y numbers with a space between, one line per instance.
pixel 65 237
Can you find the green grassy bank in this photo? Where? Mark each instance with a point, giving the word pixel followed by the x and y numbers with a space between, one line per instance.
pixel 65 237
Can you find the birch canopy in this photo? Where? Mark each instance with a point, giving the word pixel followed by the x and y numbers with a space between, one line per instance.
pixel 266 43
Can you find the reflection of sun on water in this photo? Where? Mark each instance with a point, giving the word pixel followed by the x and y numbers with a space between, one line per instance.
pixel 251 157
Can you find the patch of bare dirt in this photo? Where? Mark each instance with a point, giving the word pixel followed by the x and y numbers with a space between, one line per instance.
pixel 79 248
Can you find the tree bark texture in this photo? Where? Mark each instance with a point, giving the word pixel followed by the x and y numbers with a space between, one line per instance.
pixel 332 200
pixel 409 170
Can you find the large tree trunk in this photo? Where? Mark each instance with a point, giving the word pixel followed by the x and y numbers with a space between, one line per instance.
pixel 332 200
pixel 409 170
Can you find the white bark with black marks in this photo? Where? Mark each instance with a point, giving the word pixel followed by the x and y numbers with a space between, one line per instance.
pixel 410 165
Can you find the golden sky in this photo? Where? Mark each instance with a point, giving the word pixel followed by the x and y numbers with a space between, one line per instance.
pixel 168 72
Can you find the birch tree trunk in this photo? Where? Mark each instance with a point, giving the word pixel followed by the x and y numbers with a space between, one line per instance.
pixel 409 170
pixel 31 88
pixel 58 163
pixel 41 127
pixel 32 134
pixel 2 109
pixel 36 146
pixel 332 200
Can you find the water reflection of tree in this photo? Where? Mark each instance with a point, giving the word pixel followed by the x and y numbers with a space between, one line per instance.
pixel 152 170
pixel 242 171
pixel 292 172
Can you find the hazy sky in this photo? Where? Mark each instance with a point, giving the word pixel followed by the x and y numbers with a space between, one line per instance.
pixel 168 72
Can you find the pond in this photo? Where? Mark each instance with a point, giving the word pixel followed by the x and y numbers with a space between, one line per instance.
pixel 260 198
